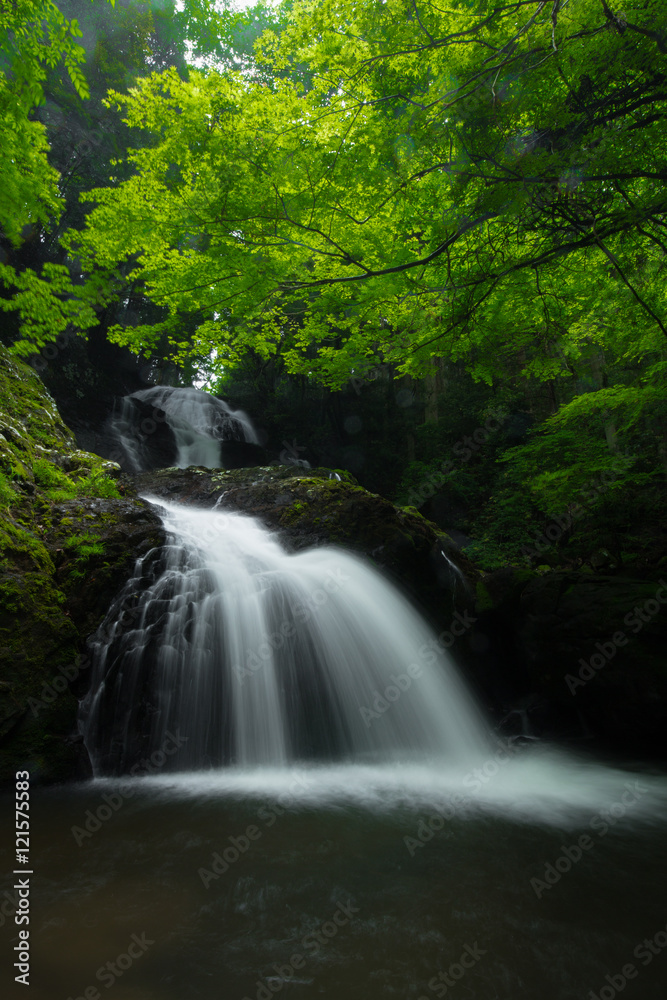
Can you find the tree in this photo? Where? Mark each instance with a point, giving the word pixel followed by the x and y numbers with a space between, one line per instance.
pixel 35 37
pixel 58 138
pixel 457 183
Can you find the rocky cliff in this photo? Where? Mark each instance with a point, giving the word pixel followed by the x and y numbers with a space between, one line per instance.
pixel 68 539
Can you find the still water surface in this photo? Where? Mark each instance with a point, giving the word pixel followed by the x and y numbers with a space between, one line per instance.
pixel 350 882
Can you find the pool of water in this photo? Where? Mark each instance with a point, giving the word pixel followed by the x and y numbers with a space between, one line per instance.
pixel 540 877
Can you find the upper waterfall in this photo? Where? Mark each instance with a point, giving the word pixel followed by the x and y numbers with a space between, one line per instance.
pixel 164 426
pixel 262 657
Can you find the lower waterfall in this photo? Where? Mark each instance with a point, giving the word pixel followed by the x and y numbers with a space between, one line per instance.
pixel 260 657
pixel 296 795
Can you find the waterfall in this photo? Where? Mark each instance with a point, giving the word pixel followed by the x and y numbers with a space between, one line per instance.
pixel 256 656
pixel 456 577
pixel 165 426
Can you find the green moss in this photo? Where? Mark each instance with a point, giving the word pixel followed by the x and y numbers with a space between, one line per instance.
pixel 85 542
pixel 19 546
pixel 410 510
pixel 11 466
pixel 81 549
pixel 7 493
pixel 60 495
pixel 46 484
pixel 294 512
pixel 97 484
pixel 57 485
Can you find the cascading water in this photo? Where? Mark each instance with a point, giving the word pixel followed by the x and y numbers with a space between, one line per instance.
pixel 261 657
pixel 370 842
pixel 190 424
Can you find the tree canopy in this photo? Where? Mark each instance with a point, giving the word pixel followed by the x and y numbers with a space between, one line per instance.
pixel 398 181
pixel 57 138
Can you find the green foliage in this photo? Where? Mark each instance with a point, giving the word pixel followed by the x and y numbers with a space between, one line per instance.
pixel 33 37
pixel 224 37
pixel 97 484
pixel 589 482
pixel 53 480
pixel 46 304
pixel 421 197
pixel 415 476
pixel 371 188
pixel 85 543
pixel 505 530
pixel 79 549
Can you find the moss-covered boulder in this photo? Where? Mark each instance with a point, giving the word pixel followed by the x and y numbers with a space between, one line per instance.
pixel 68 539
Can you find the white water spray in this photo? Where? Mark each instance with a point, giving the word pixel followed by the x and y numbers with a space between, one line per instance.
pixel 264 658
pixel 255 672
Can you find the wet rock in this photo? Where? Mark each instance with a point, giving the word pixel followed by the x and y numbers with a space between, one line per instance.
pixel 68 540
pixel 312 507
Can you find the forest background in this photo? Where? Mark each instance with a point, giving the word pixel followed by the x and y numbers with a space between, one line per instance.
pixel 423 242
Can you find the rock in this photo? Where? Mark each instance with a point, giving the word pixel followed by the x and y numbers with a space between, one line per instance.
pixel 159 446
pixel 578 641
pixel 68 540
pixel 311 507
pixel 73 526
pixel 148 425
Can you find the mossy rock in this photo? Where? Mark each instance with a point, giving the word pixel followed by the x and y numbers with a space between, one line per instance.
pixel 68 539
pixel 312 507
pixel 96 541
